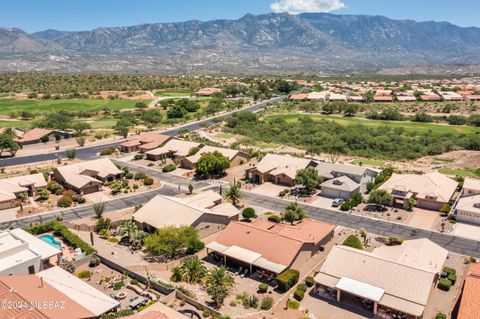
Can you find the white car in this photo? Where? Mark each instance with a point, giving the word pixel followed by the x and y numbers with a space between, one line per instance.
pixel 337 202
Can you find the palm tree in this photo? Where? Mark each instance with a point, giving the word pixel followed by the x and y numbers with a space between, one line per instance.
pixel 193 270
pixel 233 194
pixel 218 284
pixel 129 229
pixel 176 274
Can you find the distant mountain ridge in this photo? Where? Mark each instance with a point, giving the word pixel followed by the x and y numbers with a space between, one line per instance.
pixel 280 43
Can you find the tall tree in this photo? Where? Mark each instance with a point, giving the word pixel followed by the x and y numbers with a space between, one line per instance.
pixel 293 213
pixel 233 194
pixel 218 284
pixel 308 178
pixel 212 164
pixel 7 143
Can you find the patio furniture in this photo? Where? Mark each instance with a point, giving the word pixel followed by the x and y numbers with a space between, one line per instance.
pixel 239 270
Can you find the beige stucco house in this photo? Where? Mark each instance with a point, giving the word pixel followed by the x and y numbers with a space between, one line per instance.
pixel 87 177
pixel 236 157
pixel 431 191
pixel 204 212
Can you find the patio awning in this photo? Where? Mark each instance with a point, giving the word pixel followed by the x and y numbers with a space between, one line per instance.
pixel 402 305
pixel 360 289
pixel 219 248
pixel 242 254
pixel 269 265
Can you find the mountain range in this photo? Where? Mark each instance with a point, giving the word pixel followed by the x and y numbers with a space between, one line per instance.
pixel 253 44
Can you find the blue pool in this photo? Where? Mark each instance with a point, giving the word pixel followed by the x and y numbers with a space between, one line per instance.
pixel 50 239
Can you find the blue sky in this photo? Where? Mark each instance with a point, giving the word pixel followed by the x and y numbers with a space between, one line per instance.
pixel 36 15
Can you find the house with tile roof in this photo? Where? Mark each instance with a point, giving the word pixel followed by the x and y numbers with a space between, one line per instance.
pixel 264 245
pixel 12 187
pixel 34 136
pixel 469 305
pixel 236 157
pixel 145 142
pixel 204 212
pixel 52 294
pixel 393 279
pixel 278 169
pixel 174 149
pixel 431 191
pixel 87 177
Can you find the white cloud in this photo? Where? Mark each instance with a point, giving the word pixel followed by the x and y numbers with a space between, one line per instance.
pixel 299 6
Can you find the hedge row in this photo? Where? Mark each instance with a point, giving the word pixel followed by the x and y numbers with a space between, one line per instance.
pixel 287 279
pixel 61 230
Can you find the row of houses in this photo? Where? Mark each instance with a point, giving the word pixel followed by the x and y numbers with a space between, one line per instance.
pixel 185 153
pixel 387 96
pixel 338 180
pixel 83 178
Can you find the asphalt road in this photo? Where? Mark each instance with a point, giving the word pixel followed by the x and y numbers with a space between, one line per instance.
pixel 88 153
pixel 87 211
pixel 455 244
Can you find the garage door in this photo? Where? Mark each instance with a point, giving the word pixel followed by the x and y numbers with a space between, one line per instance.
pixel 91 189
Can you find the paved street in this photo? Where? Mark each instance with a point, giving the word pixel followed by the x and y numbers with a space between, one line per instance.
pixel 87 211
pixel 455 244
pixel 87 153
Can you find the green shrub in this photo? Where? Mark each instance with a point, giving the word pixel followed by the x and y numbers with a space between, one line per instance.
pixel 129 175
pixel 140 175
pixel 195 246
pixel 94 262
pixel 293 304
pixel 394 241
pixel 449 270
pixel 353 241
pixel 309 281
pixel 118 285
pixel 138 157
pixel 118 314
pixel 266 303
pixel 85 274
pixel 346 206
pixel 441 315
pixel 298 294
pixel 134 282
pixel 302 287
pixel 148 181
pixel 169 168
pixel 274 219
pixel 287 279
pixel 64 202
pixel 107 151
pixel 135 186
pixel 444 284
pixel 249 213
pixel 452 278
pixel 263 288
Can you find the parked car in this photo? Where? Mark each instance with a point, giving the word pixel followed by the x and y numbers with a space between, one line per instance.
pixel 337 202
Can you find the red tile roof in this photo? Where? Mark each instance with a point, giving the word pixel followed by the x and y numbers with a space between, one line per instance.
pixel 32 290
pixel 470 305
pixel 33 135
pixel 265 238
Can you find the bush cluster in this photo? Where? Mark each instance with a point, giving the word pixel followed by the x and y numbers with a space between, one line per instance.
pixel 287 279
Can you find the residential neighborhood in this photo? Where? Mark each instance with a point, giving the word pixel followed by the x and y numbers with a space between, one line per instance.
pixel 267 159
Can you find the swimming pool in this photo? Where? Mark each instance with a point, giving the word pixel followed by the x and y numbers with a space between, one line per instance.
pixel 50 239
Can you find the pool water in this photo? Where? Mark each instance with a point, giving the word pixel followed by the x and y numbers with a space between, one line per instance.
pixel 50 239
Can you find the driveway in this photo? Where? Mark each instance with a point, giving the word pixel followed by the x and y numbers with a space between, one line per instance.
pixel 424 219
pixel 268 189
pixel 467 231
pixel 323 202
